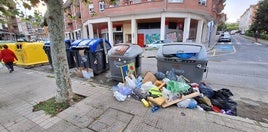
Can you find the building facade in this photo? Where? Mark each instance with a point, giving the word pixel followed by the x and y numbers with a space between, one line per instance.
pixel 247 18
pixel 9 30
pixel 142 21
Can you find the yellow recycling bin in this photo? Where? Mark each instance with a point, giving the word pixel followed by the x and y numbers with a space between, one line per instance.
pixel 11 45
pixel 30 53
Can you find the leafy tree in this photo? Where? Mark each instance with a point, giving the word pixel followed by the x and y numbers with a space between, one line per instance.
pixel 222 27
pixel 232 26
pixel 7 9
pixel 261 17
pixel 54 19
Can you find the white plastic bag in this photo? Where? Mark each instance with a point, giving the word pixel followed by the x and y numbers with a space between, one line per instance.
pixel 87 73
pixel 119 96
pixel 167 94
pixel 130 82
pixel 146 86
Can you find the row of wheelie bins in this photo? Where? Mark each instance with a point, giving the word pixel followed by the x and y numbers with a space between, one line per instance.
pixel 191 58
pixel 85 53
pixel 100 56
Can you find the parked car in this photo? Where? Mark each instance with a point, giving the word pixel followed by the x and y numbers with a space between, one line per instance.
pixel 157 44
pixel 225 37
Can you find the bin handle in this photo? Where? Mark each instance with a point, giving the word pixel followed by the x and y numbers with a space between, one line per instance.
pixel 204 68
pixel 200 67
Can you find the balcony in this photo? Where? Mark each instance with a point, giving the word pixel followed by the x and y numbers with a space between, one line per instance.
pixel 129 7
pixel 120 3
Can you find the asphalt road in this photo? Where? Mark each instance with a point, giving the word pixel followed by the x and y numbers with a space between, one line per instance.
pixel 243 62
pixel 242 67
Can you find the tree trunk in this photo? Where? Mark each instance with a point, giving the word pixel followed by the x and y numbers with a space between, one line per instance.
pixel 54 18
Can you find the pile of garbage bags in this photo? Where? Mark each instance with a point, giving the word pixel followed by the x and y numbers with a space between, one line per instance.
pixel 161 90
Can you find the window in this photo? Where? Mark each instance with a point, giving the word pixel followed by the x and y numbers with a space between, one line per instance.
pixel 202 2
pixel 175 1
pixel 153 25
pixel 172 25
pixel 91 8
pixel 101 5
pixel 118 28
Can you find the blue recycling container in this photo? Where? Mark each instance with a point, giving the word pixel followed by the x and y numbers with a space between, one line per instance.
pixel 70 58
pixel 91 53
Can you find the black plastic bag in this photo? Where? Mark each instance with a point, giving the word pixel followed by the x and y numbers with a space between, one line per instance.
pixel 139 94
pixel 171 75
pixel 222 100
pixel 206 90
pixel 160 75
pixel 205 107
pixel 223 93
pixel 177 71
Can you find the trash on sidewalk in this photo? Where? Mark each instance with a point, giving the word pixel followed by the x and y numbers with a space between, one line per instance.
pixel 163 90
pixel 84 72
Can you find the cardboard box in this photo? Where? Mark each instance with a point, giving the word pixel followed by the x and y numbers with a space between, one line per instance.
pixel 84 72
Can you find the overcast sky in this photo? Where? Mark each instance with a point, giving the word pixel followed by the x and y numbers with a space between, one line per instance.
pixel 235 8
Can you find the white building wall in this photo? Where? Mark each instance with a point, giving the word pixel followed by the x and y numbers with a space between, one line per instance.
pixel 244 22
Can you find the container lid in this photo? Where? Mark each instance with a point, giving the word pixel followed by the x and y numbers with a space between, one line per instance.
pixel 119 50
pixel 170 49
pixel 75 43
pixel 90 44
pixel 67 40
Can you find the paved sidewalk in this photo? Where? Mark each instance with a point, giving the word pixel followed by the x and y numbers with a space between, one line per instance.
pixel 261 41
pixel 100 111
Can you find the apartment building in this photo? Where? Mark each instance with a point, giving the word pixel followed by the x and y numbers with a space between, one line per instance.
pixel 9 29
pixel 142 21
pixel 247 18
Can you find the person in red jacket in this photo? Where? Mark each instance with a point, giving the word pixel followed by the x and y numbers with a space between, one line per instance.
pixel 8 57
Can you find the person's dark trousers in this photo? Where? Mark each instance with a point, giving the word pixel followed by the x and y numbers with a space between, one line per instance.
pixel 9 66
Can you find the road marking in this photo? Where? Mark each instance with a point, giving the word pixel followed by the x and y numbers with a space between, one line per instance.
pixel 225 48
pixel 234 49
pixel 257 43
pixel 238 43
pixel 214 52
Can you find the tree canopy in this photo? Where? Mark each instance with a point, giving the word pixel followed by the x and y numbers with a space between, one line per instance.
pixel 228 27
pixel 232 26
pixel 261 17
pixel 7 8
